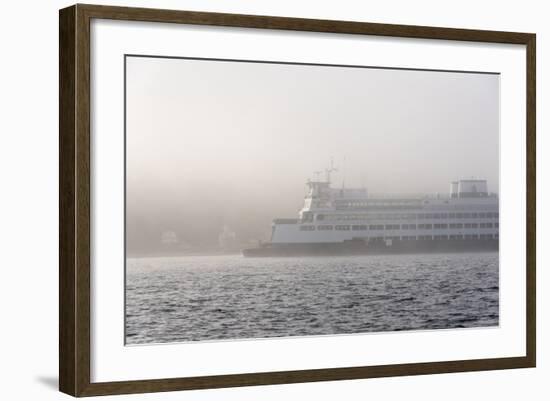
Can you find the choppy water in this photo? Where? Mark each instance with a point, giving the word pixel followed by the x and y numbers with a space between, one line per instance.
pixel 229 297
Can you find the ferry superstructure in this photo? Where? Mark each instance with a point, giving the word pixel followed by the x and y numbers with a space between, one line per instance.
pixel 348 220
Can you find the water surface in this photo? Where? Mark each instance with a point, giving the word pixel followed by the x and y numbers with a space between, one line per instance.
pixel 195 298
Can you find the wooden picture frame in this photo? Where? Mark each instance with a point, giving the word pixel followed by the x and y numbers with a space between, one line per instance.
pixel 74 200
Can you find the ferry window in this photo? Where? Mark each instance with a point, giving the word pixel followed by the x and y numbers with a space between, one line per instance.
pixel 455 237
pixel 456 225
pixel 392 226
pixel 441 237
pixel 376 227
pixel 452 215
pixel 320 217
pixel 359 227
pixel 307 228
pixel 342 228
pixel 424 237
pixel 474 215
pixel 496 225
pixel 324 228
pixel 440 226
pixel 307 217
pixel 408 226
pixel 425 226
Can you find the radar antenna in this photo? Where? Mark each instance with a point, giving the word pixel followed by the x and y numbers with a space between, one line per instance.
pixel 330 170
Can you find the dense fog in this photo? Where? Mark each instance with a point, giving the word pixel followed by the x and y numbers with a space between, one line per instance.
pixel 212 144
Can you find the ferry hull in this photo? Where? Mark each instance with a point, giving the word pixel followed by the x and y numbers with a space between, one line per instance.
pixel 360 247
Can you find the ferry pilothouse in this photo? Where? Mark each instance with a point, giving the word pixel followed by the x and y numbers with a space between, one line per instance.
pixel 348 221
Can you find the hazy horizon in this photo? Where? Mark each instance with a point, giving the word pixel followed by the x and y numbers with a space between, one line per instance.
pixel 212 143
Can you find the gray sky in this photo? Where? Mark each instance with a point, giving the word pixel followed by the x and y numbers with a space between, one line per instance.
pixel 212 143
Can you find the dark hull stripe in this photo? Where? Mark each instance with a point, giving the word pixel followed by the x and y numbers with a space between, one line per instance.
pixel 374 248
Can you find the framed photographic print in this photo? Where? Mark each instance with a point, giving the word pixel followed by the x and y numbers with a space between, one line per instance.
pixel 250 200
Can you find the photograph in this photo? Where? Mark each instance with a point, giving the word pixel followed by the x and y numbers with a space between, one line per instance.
pixel 275 199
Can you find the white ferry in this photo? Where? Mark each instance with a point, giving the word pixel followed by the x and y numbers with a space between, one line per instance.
pixel 348 221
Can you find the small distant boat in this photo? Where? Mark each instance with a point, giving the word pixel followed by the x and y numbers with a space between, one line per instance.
pixel 227 239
